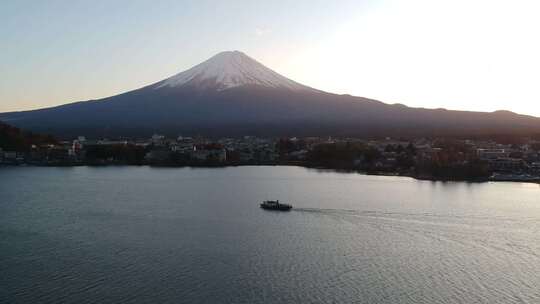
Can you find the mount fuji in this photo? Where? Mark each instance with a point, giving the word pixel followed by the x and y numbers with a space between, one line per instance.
pixel 232 94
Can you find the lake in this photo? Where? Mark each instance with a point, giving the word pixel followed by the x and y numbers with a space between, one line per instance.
pixel 197 235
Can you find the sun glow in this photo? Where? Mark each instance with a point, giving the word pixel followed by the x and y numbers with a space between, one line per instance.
pixel 475 55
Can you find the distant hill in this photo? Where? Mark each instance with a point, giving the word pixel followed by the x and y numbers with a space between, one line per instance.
pixel 14 139
pixel 232 94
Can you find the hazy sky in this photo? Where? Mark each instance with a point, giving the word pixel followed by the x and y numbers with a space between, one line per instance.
pixel 457 54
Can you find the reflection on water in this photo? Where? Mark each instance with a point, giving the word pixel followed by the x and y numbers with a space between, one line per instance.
pixel 168 235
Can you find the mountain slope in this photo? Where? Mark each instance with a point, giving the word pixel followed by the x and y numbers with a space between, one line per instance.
pixel 232 94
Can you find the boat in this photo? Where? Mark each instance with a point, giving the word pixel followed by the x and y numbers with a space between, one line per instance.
pixel 275 205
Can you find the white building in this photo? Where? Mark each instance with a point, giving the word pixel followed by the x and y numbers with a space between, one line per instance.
pixel 490 154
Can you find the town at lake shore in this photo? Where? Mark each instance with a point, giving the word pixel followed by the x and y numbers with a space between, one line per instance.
pixel 496 159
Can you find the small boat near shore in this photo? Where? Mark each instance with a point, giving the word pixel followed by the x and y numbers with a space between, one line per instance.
pixel 275 205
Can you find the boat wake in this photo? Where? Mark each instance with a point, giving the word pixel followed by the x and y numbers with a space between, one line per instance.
pixel 326 210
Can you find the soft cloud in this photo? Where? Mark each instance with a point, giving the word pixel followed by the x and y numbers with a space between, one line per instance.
pixel 260 31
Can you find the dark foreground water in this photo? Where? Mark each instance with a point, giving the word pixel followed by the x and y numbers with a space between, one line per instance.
pixel 163 235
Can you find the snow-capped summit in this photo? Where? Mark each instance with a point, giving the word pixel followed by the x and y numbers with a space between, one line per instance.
pixel 229 70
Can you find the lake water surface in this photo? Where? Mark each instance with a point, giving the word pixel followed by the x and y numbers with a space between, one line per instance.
pixel 170 235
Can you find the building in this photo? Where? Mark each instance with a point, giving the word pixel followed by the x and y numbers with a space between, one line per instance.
pixel 491 154
pixel 209 152
pixel 507 164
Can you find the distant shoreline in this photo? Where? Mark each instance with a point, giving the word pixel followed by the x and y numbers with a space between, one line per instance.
pixel 284 164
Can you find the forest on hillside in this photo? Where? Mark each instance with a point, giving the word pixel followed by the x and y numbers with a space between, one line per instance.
pixel 15 139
